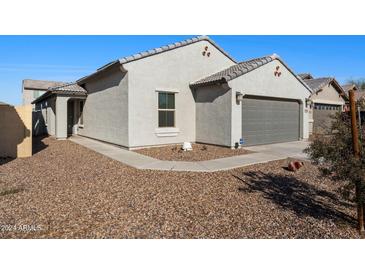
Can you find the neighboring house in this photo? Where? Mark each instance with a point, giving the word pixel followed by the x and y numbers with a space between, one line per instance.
pixel 328 97
pixel 359 93
pixel 187 91
pixel 359 96
pixel 32 89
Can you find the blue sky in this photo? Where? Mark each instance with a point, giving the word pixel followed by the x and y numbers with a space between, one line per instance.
pixel 67 58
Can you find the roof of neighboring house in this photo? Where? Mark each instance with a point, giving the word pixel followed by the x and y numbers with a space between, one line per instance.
pixel 71 89
pixel 305 76
pixel 155 51
pixel 241 69
pixel 349 87
pixel 3 104
pixel 40 84
pixel 319 83
pixel 359 95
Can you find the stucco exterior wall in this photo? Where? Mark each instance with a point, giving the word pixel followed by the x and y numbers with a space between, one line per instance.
pixel 44 117
pixel 16 131
pixel 50 116
pixel 61 117
pixel 29 96
pixel 106 108
pixel 263 82
pixel 213 115
pixel 169 71
pixel 328 95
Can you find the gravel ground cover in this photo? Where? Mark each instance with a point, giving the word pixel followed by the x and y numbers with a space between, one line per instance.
pixel 200 152
pixel 68 191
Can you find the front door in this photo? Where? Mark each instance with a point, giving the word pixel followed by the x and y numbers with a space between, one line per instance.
pixel 70 117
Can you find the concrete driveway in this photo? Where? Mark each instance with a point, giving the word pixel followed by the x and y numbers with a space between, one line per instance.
pixel 289 149
pixel 263 154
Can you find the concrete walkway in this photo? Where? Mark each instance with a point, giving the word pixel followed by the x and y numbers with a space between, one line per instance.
pixel 263 154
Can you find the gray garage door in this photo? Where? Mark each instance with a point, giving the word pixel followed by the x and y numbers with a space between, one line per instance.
pixel 322 116
pixel 266 121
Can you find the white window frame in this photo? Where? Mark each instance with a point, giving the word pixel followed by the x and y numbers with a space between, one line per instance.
pixel 167 109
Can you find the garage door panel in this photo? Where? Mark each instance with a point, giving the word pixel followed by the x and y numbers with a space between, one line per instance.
pixel 269 121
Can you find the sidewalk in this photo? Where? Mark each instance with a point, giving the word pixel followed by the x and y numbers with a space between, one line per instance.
pixel 263 154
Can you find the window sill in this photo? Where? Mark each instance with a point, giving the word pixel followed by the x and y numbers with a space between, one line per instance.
pixel 167 131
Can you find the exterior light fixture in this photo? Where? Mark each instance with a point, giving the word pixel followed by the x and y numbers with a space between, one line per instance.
pixel 308 102
pixel 239 96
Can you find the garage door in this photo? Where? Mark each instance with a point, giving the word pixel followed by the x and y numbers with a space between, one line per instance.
pixel 322 116
pixel 266 121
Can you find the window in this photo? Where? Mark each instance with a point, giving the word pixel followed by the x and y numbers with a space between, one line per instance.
pixel 166 109
pixel 81 121
pixel 36 94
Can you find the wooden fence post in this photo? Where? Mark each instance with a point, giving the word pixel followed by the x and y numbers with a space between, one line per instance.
pixel 356 149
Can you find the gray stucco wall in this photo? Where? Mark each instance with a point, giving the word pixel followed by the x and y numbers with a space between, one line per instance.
pixel 106 108
pixel 213 115
pixel 170 71
pixel 262 82
pixel 44 118
pixel 328 95
pixel 61 117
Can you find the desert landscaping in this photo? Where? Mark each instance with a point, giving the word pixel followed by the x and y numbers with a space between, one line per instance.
pixel 82 194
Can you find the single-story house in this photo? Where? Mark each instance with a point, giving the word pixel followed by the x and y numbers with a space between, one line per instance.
pixel 188 91
pixel 327 98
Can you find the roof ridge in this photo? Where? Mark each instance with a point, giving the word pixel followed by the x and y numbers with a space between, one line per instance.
pixel 64 85
pixel 151 52
pixel 242 68
pixel 254 59
pixel 171 46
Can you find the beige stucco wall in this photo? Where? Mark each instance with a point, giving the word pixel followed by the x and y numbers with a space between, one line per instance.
pixel 16 131
pixel 171 71
pixel 328 95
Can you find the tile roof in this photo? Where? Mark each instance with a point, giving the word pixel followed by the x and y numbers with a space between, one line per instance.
pixel 349 87
pixel 234 71
pixel 304 76
pixel 3 104
pixel 241 69
pixel 40 84
pixel 170 47
pixel 155 51
pixel 318 83
pixel 71 89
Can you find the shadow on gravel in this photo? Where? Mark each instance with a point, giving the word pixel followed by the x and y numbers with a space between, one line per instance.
pixel 4 160
pixel 38 144
pixel 292 194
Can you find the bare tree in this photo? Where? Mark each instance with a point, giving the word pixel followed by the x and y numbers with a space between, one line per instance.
pixel 359 82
